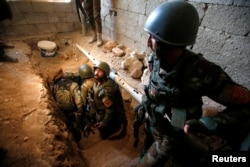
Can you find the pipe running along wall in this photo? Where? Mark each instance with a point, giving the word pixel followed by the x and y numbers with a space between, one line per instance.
pixel 114 76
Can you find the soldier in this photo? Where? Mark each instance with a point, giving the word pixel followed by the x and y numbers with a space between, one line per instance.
pixel 87 76
pixel 92 9
pixel 106 107
pixel 173 97
pixel 68 97
pixel 5 14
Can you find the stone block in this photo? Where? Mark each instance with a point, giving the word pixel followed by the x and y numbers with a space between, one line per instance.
pixel 36 18
pixel 224 2
pixel 229 19
pixel 18 7
pixel 42 7
pixel 24 29
pixel 235 53
pixel 209 43
pixel 62 7
pixel 64 27
pixel 46 28
pixel 138 6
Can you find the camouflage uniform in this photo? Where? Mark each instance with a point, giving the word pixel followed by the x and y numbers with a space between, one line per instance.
pixel 85 87
pixel 181 90
pixel 70 101
pixel 67 95
pixel 93 11
pixel 105 107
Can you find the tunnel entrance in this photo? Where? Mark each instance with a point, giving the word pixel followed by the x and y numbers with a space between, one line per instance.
pixel 58 148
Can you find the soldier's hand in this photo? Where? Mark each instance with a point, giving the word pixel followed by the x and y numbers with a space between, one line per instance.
pixel 87 130
pixel 194 126
pixel 100 125
pixel 204 125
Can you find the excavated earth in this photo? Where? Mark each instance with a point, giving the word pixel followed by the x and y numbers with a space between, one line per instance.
pixel 32 128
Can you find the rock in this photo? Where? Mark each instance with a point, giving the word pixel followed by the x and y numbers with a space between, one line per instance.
pixel 118 52
pixel 124 65
pixel 138 55
pixel 136 74
pixel 108 46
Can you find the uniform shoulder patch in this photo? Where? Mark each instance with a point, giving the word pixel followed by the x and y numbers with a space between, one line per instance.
pixel 107 102
pixel 240 95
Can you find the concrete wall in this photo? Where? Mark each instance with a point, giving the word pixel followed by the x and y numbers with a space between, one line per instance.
pixel 223 35
pixel 32 17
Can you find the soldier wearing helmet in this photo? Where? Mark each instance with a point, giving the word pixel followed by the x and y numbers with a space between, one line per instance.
pixel 173 97
pixel 103 102
pixel 87 77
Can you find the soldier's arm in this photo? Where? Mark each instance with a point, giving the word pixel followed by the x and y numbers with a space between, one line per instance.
pixel 77 96
pixel 85 88
pixel 218 86
pixel 235 97
pixel 107 99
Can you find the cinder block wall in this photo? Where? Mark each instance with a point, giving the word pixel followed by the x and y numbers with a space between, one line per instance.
pixel 223 35
pixel 31 17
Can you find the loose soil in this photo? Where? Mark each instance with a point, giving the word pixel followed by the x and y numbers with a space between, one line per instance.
pixel 32 128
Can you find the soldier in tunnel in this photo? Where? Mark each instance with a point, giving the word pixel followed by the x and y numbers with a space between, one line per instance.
pixel 173 98
pixel 66 91
pixel 92 9
pixel 106 105
pixel 87 81
pixel 87 76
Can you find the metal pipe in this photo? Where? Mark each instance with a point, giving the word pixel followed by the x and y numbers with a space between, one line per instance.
pixel 114 76
pixel 133 92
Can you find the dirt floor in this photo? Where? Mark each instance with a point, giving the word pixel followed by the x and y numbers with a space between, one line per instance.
pixel 32 129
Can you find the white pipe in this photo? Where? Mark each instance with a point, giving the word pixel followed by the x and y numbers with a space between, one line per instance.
pixel 87 54
pixel 133 92
pixel 114 76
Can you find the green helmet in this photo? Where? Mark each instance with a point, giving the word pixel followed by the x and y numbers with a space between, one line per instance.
pixel 174 22
pixel 85 71
pixel 103 66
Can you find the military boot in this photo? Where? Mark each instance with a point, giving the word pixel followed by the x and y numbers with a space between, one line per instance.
pixel 99 39
pixel 93 36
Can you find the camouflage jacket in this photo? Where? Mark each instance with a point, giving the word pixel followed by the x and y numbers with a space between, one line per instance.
pixel 182 88
pixel 101 99
pixel 85 87
pixel 67 95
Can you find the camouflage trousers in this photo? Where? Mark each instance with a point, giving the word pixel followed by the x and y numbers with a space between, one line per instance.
pixel 92 9
pixel 162 150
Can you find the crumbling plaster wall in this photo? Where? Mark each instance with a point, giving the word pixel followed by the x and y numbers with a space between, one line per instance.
pixel 223 35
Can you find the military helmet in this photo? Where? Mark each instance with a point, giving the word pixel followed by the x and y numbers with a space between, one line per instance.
pixel 103 66
pixel 85 71
pixel 173 22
